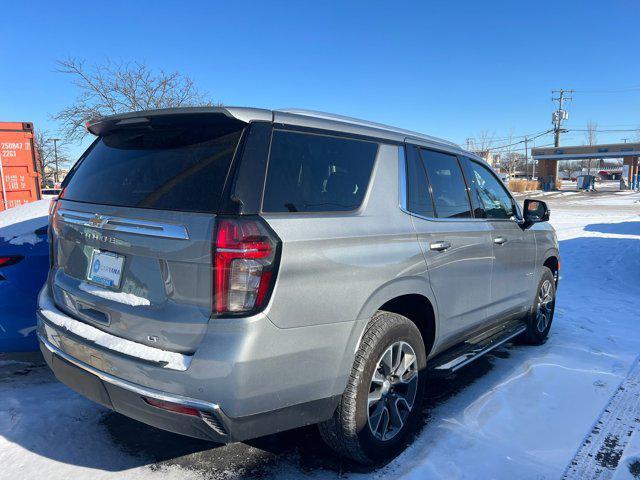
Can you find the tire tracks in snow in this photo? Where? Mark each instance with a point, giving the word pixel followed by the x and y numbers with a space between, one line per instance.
pixel 600 453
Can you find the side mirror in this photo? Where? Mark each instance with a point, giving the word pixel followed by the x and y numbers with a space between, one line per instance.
pixel 535 211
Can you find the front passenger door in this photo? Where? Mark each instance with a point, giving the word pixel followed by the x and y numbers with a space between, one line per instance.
pixel 514 248
pixel 456 246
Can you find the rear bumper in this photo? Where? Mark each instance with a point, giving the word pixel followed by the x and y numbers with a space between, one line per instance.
pixel 210 424
pixel 127 398
pixel 226 380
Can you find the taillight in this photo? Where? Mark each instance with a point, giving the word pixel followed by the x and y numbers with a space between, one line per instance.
pixel 244 261
pixel 54 202
pixel 53 208
pixel 9 260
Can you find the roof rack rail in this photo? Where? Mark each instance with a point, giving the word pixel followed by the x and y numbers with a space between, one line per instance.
pixel 364 123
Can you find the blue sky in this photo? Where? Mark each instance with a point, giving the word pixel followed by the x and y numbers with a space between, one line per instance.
pixel 450 69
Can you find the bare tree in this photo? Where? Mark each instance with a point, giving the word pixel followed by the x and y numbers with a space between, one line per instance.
pixel 591 134
pixel 483 141
pixel 569 167
pixel 47 156
pixel 481 145
pixel 513 162
pixel 592 139
pixel 510 157
pixel 116 87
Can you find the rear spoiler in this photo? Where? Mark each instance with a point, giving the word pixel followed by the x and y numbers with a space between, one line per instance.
pixel 104 125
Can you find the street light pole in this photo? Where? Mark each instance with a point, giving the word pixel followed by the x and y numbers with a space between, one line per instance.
pixel 533 162
pixel 526 159
pixel 55 156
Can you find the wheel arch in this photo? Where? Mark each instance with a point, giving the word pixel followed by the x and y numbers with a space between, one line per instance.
pixel 420 311
pixel 411 297
pixel 552 262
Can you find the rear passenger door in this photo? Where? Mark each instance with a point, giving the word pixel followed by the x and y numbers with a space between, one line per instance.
pixel 514 248
pixel 456 246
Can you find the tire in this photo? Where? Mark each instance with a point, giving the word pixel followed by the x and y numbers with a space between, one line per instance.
pixel 350 432
pixel 543 305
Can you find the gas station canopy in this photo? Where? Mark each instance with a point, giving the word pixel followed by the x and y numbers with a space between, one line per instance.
pixel 613 150
pixel 549 157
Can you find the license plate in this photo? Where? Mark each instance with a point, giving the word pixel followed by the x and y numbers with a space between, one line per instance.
pixel 105 268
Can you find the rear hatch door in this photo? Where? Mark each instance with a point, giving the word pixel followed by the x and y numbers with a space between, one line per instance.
pixel 132 234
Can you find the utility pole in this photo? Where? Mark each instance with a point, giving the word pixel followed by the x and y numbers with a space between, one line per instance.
pixel 625 140
pixel 560 114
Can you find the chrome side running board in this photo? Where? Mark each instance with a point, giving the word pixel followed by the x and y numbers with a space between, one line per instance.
pixel 125 225
pixel 452 360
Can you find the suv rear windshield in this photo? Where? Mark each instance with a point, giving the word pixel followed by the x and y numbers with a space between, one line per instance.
pixel 167 167
pixel 317 173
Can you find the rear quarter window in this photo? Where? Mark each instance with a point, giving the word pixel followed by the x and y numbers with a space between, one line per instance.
pixel 418 195
pixel 448 186
pixel 317 173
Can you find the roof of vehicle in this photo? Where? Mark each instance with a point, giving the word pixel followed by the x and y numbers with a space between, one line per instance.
pixel 305 118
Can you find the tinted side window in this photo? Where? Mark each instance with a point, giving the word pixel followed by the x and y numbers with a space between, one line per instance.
pixel 418 194
pixel 317 173
pixel 447 184
pixel 490 193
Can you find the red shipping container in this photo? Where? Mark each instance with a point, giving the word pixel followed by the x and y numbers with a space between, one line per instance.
pixel 20 179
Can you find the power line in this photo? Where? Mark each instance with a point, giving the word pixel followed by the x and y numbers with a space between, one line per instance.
pixel 632 88
pixel 559 115
pixel 612 125
pixel 527 138
pixel 509 137
pixel 604 130
pixel 536 146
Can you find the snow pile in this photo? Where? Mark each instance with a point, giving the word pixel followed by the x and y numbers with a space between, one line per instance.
pixel 18 224
pixel 120 297
pixel 173 361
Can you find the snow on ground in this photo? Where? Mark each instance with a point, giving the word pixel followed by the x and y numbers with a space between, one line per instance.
pixel 522 412
pixel 18 224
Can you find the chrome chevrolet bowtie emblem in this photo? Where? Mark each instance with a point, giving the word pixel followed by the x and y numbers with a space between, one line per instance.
pixel 97 221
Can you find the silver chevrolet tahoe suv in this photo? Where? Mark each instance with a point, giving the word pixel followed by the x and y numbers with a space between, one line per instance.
pixel 228 273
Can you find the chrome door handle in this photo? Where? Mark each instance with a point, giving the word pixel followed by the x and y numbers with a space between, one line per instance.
pixel 440 246
pixel 499 240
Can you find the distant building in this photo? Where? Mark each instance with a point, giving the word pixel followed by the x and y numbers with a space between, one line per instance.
pixel 488 156
pixel 49 176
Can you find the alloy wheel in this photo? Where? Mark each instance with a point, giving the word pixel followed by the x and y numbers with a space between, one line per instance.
pixel 392 391
pixel 545 306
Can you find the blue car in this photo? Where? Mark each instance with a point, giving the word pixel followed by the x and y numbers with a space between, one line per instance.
pixel 24 263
